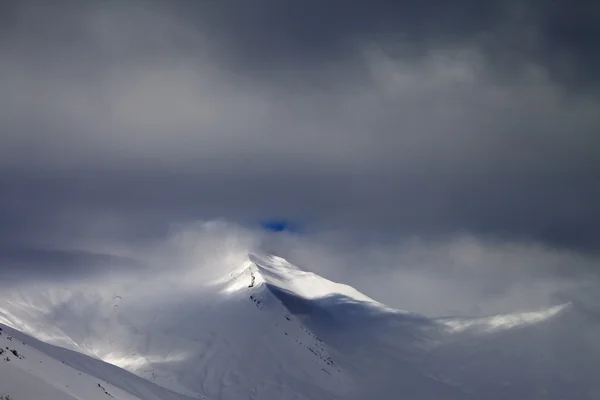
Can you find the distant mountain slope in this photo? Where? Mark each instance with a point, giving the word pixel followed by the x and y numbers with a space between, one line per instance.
pixel 268 330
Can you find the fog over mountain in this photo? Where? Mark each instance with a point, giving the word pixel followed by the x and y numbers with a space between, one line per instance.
pixel 441 158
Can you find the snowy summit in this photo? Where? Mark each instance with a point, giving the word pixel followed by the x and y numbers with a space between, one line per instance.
pixel 269 330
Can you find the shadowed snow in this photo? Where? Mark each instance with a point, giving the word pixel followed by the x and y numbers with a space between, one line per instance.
pixel 267 329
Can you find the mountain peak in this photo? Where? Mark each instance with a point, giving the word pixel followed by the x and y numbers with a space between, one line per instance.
pixel 262 331
pixel 271 261
pixel 277 272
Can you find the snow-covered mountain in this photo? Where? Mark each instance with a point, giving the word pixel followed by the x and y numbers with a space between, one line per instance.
pixel 267 330
pixel 31 369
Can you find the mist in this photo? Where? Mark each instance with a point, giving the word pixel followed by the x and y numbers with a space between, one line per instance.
pixel 448 168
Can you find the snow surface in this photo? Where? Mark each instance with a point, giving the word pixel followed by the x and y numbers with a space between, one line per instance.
pixel 267 330
pixel 30 369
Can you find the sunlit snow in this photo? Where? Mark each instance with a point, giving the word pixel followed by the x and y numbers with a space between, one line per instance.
pixel 260 328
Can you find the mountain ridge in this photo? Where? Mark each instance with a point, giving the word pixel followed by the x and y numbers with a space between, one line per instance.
pixel 268 329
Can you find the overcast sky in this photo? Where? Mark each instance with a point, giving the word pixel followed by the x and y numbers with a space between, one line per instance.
pixel 382 121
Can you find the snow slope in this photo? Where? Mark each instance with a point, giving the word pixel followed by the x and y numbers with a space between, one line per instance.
pixel 268 330
pixel 225 339
pixel 30 369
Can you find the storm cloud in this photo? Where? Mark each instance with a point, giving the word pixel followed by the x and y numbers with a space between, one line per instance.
pixel 383 121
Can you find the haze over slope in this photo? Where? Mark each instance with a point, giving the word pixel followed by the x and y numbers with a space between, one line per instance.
pixel 437 157
pixel 266 329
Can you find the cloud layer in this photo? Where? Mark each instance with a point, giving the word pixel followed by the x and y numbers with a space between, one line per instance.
pixel 380 121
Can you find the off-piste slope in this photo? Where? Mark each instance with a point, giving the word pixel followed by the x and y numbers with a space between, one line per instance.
pixel 229 338
pixel 543 354
pixel 264 329
pixel 552 353
pixel 548 354
pixel 31 370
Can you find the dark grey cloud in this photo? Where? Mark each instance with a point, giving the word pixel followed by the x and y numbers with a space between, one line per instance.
pixel 268 32
pixel 382 120
pixel 269 35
